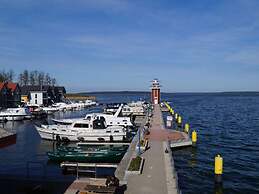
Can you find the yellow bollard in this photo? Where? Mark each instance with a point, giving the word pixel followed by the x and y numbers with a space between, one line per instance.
pixel 194 137
pixel 171 111
pixel 218 168
pixel 179 120
pixel 186 128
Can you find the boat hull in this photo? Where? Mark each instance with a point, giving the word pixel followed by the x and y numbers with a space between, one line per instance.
pixel 14 118
pixel 74 137
pixel 114 157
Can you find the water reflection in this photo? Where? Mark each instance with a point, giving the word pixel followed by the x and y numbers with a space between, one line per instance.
pixel 218 188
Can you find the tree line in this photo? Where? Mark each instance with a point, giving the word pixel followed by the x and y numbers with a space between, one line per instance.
pixel 28 78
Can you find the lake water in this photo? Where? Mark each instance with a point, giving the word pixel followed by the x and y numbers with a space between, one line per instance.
pixel 226 125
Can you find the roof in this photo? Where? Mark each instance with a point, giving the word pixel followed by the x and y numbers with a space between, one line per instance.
pixel 2 84
pixel 25 90
pixel 12 86
pixel 60 89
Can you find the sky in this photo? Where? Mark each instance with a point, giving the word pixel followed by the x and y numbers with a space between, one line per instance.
pixel 97 45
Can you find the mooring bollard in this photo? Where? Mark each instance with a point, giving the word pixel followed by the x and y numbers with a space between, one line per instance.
pixel 179 121
pixel 218 168
pixel 172 111
pixel 194 138
pixel 186 128
pixel 176 116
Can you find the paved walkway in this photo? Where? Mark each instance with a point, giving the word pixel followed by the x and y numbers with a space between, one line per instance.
pixel 157 176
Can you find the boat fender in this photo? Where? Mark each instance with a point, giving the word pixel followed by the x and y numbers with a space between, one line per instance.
pixel 101 139
pixel 111 138
pixel 58 138
pixel 65 139
pixel 81 139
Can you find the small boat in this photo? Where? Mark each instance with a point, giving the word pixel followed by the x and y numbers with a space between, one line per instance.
pixel 15 114
pixel 36 111
pixel 134 108
pixel 90 157
pixel 87 149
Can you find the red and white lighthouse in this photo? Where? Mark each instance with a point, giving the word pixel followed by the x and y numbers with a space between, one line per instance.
pixel 155 92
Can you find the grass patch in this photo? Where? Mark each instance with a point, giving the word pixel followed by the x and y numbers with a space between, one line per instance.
pixel 135 164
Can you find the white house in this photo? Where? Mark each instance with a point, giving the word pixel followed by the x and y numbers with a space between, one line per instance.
pixel 38 97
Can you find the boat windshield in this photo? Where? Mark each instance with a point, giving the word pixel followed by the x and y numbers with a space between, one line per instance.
pixel 81 125
pixel 99 124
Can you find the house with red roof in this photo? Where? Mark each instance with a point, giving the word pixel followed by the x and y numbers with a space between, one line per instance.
pixel 14 95
pixel 3 94
pixel 10 94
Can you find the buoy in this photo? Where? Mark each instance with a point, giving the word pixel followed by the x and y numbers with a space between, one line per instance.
pixel 218 169
pixel 186 128
pixel 194 137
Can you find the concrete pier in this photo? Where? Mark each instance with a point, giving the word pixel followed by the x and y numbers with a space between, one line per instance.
pixel 158 174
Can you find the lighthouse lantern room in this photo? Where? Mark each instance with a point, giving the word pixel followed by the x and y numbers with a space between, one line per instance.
pixel 155 92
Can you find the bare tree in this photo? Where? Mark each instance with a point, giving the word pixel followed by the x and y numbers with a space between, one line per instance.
pixel 47 79
pixel 41 78
pixel 53 81
pixel 6 76
pixel 20 79
pixel 10 75
pixel 26 77
pixel 2 76
pixel 32 78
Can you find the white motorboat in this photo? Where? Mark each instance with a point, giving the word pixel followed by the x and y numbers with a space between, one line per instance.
pixel 88 103
pixel 61 106
pixel 50 109
pixel 111 108
pixel 111 120
pixel 134 108
pixel 91 129
pixel 36 110
pixel 15 114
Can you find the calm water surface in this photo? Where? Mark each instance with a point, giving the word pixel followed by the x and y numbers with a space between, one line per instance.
pixel 226 125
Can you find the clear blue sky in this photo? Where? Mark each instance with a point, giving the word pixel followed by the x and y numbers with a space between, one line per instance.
pixel 94 45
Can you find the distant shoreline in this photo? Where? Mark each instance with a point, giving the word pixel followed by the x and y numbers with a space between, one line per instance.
pixel 177 93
